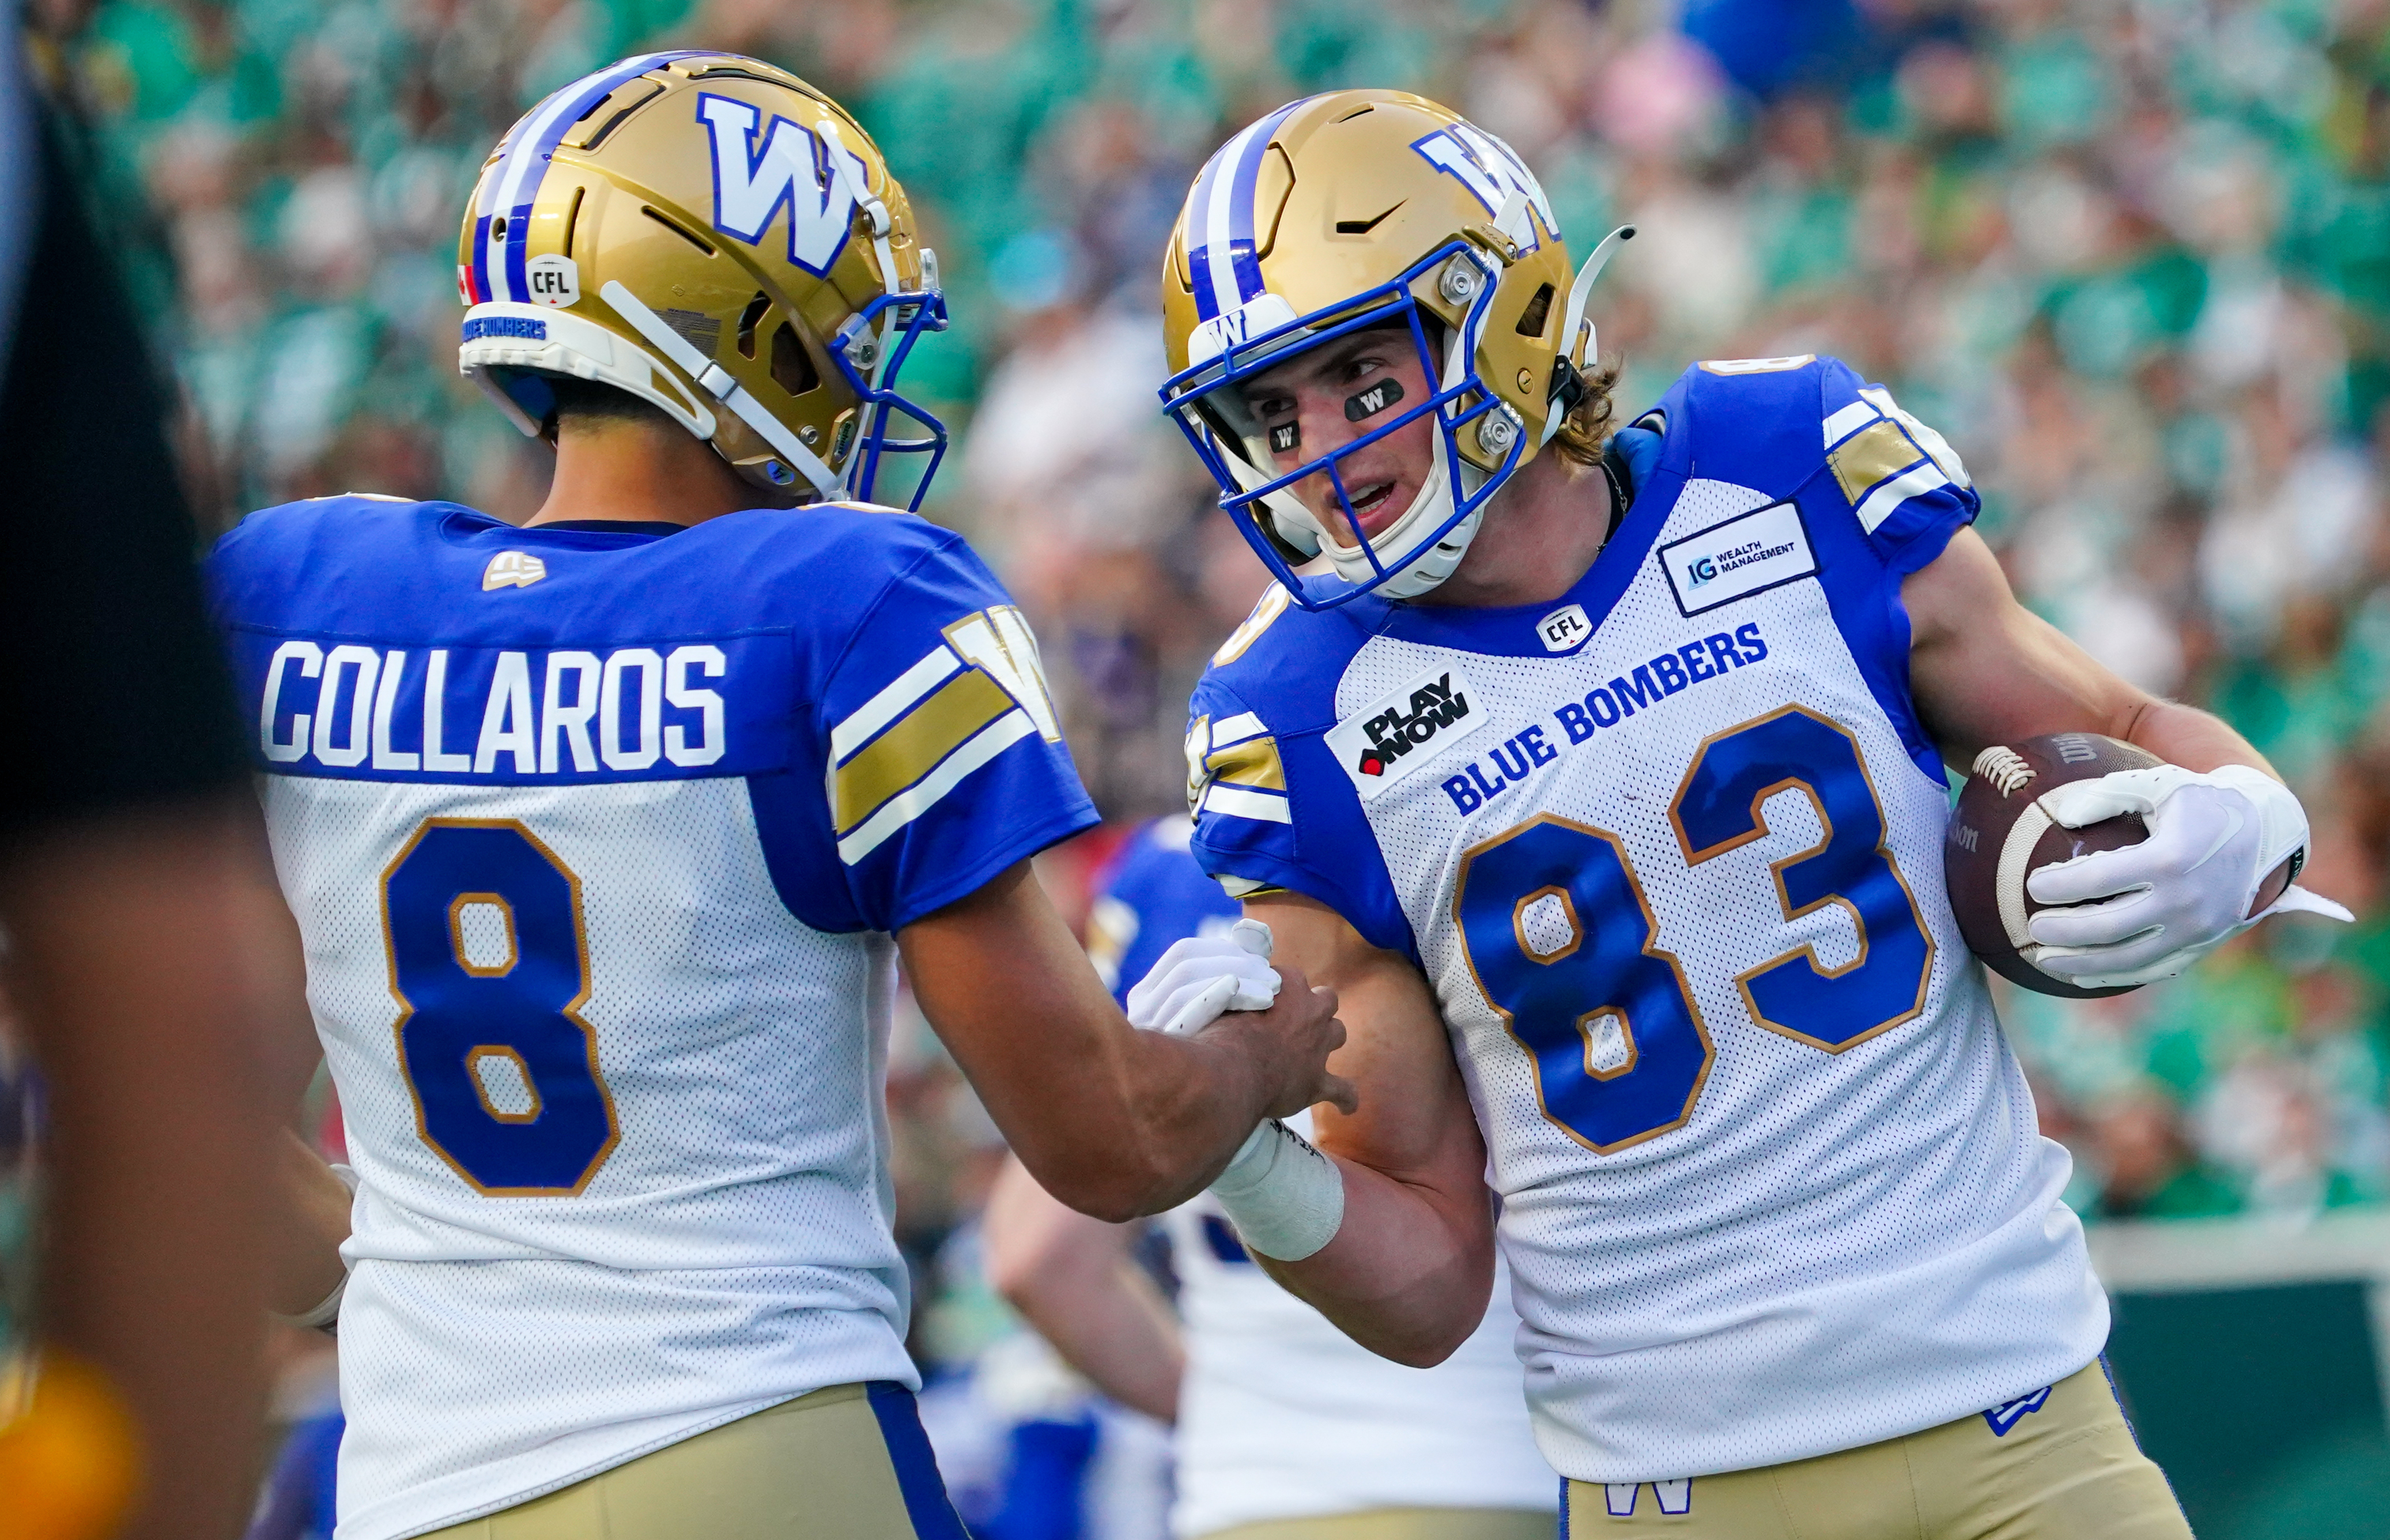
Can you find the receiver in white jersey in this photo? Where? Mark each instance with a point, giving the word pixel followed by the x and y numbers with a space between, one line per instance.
pixel 1280 1415
pixel 595 837
pixel 1668 851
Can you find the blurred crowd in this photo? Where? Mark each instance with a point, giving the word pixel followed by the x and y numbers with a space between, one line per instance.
pixel 2131 256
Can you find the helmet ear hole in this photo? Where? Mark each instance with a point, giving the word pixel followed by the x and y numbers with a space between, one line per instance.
pixel 747 320
pixel 1532 320
pixel 792 365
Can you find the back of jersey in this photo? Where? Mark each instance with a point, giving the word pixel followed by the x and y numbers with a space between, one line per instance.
pixel 595 837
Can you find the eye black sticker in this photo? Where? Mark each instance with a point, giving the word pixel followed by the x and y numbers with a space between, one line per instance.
pixel 1376 399
pixel 1285 436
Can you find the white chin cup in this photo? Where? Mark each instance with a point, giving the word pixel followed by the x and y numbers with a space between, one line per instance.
pixel 1417 563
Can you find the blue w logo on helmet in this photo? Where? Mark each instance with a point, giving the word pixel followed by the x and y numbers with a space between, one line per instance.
pixel 1485 166
pixel 793 168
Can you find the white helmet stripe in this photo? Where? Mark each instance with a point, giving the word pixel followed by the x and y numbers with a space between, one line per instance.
pixel 509 191
pixel 1219 265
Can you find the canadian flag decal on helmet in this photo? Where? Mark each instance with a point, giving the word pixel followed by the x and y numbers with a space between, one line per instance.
pixel 793 166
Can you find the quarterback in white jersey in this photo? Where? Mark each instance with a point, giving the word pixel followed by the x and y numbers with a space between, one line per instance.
pixel 1604 781
pixel 1284 1428
pixel 603 835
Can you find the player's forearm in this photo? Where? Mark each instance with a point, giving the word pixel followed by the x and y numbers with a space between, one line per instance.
pixel 1116 1123
pixel 1073 1278
pixel 1108 1322
pixel 2185 736
pixel 1409 1271
pixel 309 1219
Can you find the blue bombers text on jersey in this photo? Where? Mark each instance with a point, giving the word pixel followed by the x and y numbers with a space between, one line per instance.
pixel 1668 852
pixel 595 837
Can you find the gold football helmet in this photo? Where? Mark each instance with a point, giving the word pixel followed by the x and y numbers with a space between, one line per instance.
pixel 1353 211
pixel 714 237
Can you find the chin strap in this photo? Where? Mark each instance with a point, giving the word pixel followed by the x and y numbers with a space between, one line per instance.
pixel 1565 381
pixel 717 382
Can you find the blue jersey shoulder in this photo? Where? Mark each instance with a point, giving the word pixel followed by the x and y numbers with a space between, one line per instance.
pixel 1272 807
pixel 1752 421
pixel 395 571
pixel 1293 657
pixel 1153 893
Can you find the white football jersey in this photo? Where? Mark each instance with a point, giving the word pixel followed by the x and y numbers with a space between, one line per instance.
pixel 596 840
pixel 1282 1416
pixel 1669 849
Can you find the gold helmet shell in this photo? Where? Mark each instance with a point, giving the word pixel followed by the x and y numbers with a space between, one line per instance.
pixel 711 235
pixel 1373 207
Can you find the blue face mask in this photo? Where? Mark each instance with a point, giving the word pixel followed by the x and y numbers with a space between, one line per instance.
pixel 1208 402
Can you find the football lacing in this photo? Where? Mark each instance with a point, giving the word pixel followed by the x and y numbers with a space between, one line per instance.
pixel 2003 768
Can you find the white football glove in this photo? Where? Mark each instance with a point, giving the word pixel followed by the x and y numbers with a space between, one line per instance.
pixel 2180 894
pixel 1202 976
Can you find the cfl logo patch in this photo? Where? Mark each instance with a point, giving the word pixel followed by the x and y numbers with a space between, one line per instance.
pixel 1490 171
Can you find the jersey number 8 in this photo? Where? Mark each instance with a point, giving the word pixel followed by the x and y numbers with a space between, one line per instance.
pixel 1619 1044
pixel 489 959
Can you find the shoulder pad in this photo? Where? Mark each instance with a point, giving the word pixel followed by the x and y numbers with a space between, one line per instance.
pixel 1293 657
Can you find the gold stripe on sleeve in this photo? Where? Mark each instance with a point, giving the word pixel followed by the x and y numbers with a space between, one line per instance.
pixel 1252 762
pixel 914 746
pixel 1879 450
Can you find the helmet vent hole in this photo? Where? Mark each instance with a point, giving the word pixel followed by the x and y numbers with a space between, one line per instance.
pixel 700 330
pixel 1356 112
pixel 573 218
pixel 747 321
pixel 1538 313
pixel 792 366
pixel 677 228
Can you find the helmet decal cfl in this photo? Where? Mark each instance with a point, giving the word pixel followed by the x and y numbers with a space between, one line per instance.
pixel 1491 172
pixel 794 167
pixel 502 202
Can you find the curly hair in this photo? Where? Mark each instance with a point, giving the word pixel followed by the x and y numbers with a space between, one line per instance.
pixel 1583 435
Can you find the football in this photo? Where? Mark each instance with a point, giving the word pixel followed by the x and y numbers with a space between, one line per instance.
pixel 1998 834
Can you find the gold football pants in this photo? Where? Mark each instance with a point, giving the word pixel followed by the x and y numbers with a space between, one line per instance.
pixel 2065 1469
pixel 1402 1523
pixel 846 1463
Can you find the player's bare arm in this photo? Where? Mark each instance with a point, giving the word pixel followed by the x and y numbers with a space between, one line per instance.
pixel 310 1220
pixel 1986 670
pixel 1075 1280
pixel 1115 1123
pixel 2226 838
pixel 1408 1273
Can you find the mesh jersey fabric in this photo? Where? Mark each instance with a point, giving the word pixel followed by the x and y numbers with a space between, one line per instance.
pixel 1282 1416
pixel 596 840
pixel 1835 1220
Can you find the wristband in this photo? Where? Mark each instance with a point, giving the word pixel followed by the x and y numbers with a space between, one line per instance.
pixel 1285 1197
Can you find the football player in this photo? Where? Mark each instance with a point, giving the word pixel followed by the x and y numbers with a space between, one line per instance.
pixel 598 831
pixel 1285 1429
pixel 1605 783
